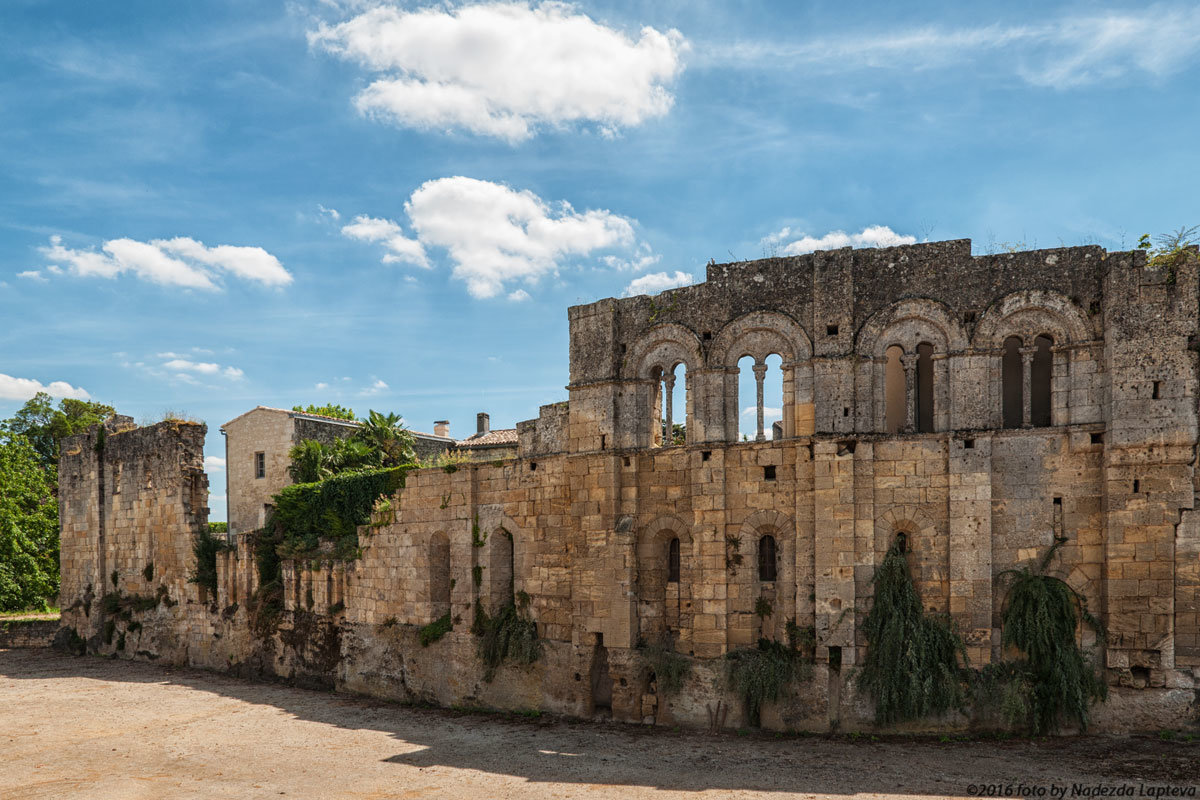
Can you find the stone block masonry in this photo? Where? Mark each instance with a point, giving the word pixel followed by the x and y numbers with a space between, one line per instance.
pixel 978 408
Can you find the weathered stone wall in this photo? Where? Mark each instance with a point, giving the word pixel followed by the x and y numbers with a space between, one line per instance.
pixel 583 521
pixel 131 502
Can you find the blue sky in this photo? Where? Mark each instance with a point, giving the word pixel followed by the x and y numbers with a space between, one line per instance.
pixel 213 205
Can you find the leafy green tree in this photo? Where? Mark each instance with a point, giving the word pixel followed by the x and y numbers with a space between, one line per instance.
pixel 314 461
pixel 44 426
pixel 328 410
pixel 28 527
pixel 386 434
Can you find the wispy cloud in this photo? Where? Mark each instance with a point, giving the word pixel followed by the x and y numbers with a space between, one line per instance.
pixel 505 69
pixel 1063 53
pixel 378 386
pixel 214 464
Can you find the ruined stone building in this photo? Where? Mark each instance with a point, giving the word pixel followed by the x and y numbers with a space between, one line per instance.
pixel 977 406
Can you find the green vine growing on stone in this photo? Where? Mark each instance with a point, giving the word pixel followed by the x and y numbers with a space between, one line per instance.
pixel 511 635
pixel 1056 680
pixel 912 667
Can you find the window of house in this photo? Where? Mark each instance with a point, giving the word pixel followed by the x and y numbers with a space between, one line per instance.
pixel 260 465
pixel 673 561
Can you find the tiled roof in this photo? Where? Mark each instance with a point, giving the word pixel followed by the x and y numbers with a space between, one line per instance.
pixel 502 437
pixel 335 420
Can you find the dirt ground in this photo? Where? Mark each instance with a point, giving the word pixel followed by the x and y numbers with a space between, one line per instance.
pixel 96 728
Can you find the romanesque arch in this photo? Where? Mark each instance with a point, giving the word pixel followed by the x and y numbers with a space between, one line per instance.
pixel 654 358
pixel 1031 336
pixel 758 335
pixel 757 530
pixel 665 605
pixel 928 553
pixel 920 334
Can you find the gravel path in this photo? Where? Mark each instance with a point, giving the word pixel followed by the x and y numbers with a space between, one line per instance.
pixel 97 728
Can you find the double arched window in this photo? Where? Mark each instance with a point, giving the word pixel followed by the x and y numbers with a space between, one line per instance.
pixel 1026 376
pixel 908 389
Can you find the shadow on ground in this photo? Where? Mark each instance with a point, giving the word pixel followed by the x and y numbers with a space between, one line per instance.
pixel 550 750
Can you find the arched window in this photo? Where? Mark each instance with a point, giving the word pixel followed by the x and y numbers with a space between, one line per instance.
pixel 500 569
pixel 924 409
pixel 673 561
pixel 1013 383
pixel 894 392
pixel 767 568
pixel 1041 372
pixel 439 575
pixel 760 396
pixel 669 405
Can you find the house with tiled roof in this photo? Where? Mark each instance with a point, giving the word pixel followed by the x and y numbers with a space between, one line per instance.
pixel 487 444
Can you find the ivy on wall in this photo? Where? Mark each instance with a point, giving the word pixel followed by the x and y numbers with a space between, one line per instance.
pixel 331 510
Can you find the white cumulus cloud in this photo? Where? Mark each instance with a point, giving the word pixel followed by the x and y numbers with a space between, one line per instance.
pixel 657 282
pixel 181 261
pixel 871 236
pixel 24 388
pixel 213 463
pixel 505 69
pixel 493 234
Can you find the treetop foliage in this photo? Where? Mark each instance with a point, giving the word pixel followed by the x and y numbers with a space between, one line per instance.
pixel 328 410
pixel 44 426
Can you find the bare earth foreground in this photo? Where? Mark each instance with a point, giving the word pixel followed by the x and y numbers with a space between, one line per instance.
pixel 95 728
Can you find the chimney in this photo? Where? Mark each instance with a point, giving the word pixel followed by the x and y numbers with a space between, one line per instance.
pixel 483 423
pixel 441 427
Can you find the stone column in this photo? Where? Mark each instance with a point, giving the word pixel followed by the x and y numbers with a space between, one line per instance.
pixel 1027 386
pixel 909 360
pixel 789 400
pixel 668 427
pixel 760 372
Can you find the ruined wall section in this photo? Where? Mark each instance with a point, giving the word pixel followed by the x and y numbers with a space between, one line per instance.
pixel 131 502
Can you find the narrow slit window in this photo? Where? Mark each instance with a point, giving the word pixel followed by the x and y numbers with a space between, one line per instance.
pixel 1013 383
pixel 673 561
pixel 767 568
pixel 1041 373
pixel 260 465
pixel 924 409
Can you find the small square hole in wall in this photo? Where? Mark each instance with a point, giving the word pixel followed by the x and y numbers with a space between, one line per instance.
pixel 845 411
pixel 1156 392
pixel 627 461
pixel 1058 501
pixel 831 330
pixel 769 472
pixel 1137 486
pixel 532 466
pixel 1097 438
pixel 968 444
pixel 707 336
pixel 705 455
pixel 968 317
pixel 603 441
pixel 846 448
